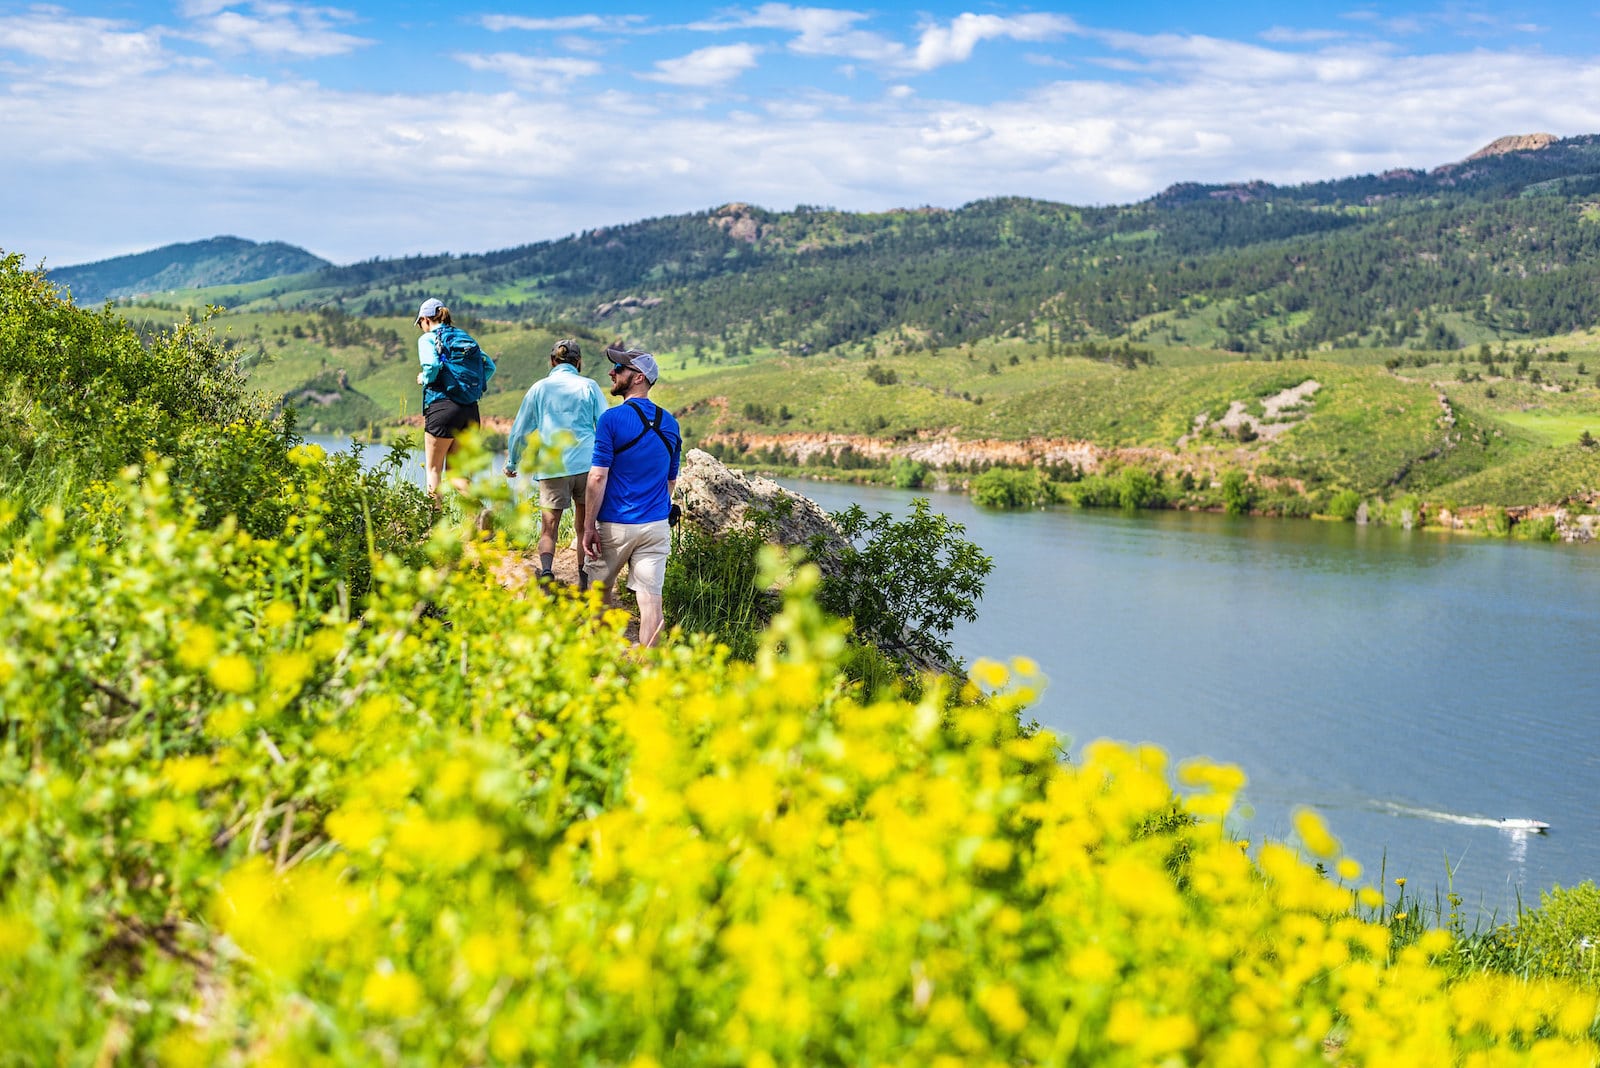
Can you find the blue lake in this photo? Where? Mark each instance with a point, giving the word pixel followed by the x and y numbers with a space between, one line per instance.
pixel 1413 687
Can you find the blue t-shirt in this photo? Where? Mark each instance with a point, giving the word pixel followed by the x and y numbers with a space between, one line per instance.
pixel 636 490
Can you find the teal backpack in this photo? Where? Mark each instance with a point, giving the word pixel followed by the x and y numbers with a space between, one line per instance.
pixel 464 369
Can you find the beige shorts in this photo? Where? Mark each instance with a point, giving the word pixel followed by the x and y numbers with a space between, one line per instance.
pixel 642 546
pixel 561 491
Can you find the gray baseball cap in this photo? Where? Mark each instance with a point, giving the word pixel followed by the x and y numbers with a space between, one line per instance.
pixel 430 309
pixel 643 362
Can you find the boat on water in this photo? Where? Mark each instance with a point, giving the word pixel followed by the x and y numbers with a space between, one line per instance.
pixel 1512 823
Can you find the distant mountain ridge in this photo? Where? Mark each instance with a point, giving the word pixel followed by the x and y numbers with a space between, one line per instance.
pixel 1502 244
pixel 217 261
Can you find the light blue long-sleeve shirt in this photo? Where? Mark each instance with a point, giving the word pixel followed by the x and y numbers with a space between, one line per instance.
pixel 562 405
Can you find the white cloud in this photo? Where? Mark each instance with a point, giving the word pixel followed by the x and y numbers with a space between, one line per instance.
pixel 563 23
pixel 954 43
pixel 274 29
pixel 1288 35
pixel 155 152
pixel 84 51
pixel 706 67
pixel 820 31
pixel 539 72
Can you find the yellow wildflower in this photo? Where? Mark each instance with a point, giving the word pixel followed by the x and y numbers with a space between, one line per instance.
pixel 388 992
pixel 233 674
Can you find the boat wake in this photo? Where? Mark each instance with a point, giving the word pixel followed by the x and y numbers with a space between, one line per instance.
pixel 1513 824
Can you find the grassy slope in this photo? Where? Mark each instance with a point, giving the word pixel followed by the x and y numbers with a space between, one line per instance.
pixel 1370 429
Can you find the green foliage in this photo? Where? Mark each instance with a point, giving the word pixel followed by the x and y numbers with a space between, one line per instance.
pixel 1541 528
pixel 472 825
pixel 713 586
pixel 1344 504
pixel 1237 492
pixel 903 583
pixel 179 396
pixel 907 474
pixel 1559 939
pixel 1129 487
pixel 1012 488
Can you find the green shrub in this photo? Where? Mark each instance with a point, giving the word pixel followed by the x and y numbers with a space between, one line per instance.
pixel 1011 488
pixel 713 586
pixel 1128 488
pixel 903 583
pixel 1238 494
pixel 182 398
pixel 1344 504
pixel 1542 528
pixel 1558 940
pixel 907 474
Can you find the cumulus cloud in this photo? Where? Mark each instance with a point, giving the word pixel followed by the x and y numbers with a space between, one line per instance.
pixel 953 43
pixel 85 51
pixel 706 67
pixel 542 72
pixel 562 23
pixel 178 152
pixel 819 31
pixel 277 30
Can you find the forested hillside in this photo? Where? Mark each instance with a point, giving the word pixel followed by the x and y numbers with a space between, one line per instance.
pixel 194 265
pixel 1497 247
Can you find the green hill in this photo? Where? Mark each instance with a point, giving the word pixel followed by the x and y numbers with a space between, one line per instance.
pixel 1498 247
pixel 195 265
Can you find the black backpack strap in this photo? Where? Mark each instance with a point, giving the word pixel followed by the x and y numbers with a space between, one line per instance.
pixel 649 425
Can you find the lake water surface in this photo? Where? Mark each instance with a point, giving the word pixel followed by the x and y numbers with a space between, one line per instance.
pixel 1414 687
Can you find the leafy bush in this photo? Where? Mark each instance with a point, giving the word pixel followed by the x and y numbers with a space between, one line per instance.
pixel 180 397
pixel 1011 488
pixel 907 474
pixel 1561 938
pixel 1128 488
pixel 903 583
pixel 1344 504
pixel 1238 495
pixel 1542 528
pixel 713 585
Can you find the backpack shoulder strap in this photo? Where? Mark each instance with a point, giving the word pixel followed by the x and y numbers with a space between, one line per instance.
pixel 649 425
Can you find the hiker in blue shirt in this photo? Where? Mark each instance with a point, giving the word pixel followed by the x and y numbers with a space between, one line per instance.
pixel 563 409
pixel 636 451
pixel 455 372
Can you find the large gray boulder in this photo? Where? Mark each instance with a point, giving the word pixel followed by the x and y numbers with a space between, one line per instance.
pixel 716 498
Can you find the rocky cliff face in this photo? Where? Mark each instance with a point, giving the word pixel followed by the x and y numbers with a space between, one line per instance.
pixel 1514 143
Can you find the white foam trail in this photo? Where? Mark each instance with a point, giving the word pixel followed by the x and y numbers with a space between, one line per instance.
pixel 1513 823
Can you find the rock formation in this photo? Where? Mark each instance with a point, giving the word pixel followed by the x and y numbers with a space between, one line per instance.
pixel 716 498
pixel 1514 143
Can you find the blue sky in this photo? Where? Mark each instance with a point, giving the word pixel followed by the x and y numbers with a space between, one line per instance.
pixel 362 130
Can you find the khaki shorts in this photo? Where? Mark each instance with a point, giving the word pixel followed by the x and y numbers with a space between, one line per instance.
pixel 559 493
pixel 642 546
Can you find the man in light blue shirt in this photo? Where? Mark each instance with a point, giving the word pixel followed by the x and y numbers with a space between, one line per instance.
pixel 563 409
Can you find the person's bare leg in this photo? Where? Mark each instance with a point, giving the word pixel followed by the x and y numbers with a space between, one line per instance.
pixel 434 451
pixel 650 617
pixel 579 514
